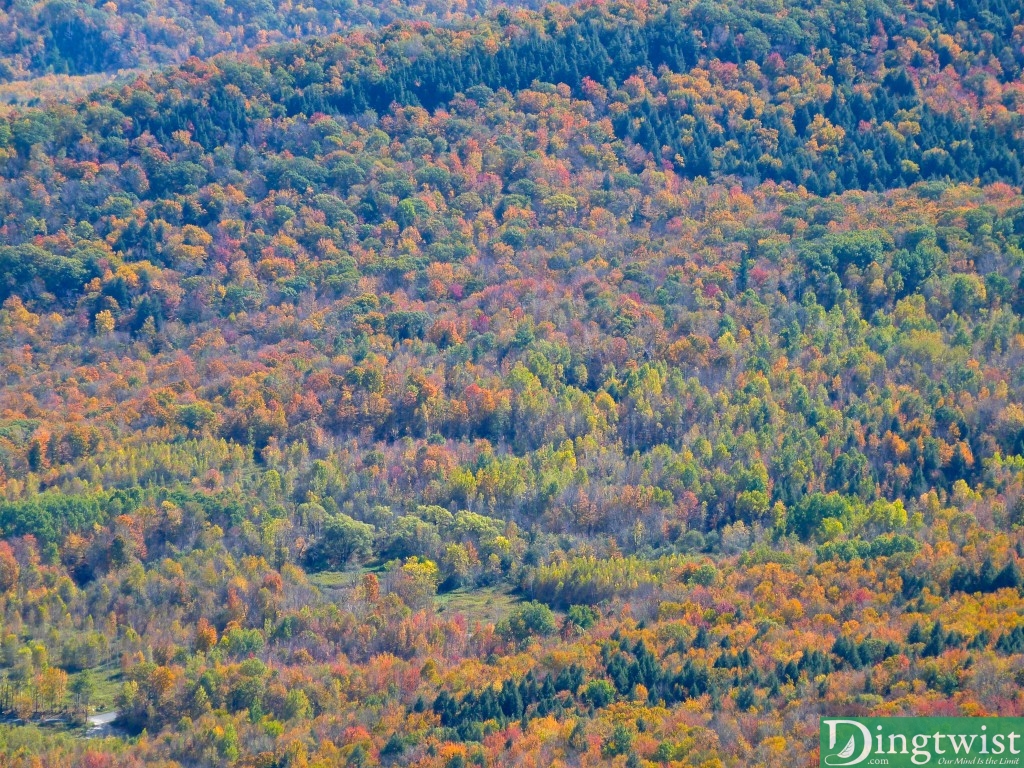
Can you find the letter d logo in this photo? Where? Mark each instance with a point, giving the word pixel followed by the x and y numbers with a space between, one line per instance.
pixel 845 755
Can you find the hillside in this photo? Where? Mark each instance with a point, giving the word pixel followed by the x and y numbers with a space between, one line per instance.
pixel 627 382
pixel 74 37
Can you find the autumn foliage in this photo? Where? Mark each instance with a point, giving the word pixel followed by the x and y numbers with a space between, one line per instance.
pixel 619 384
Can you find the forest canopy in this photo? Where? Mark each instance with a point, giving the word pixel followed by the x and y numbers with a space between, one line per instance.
pixel 620 384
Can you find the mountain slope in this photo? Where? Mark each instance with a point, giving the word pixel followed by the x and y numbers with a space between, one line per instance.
pixel 550 313
pixel 72 37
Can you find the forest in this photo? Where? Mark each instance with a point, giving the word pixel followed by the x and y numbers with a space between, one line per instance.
pixel 76 37
pixel 624 383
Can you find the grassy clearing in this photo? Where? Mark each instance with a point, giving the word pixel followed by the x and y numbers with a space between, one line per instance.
pixel 326 580
pixel 487 604
pixel 107 681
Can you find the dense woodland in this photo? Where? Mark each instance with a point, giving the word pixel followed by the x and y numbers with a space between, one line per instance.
pixel 624 384
pixel 77 37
